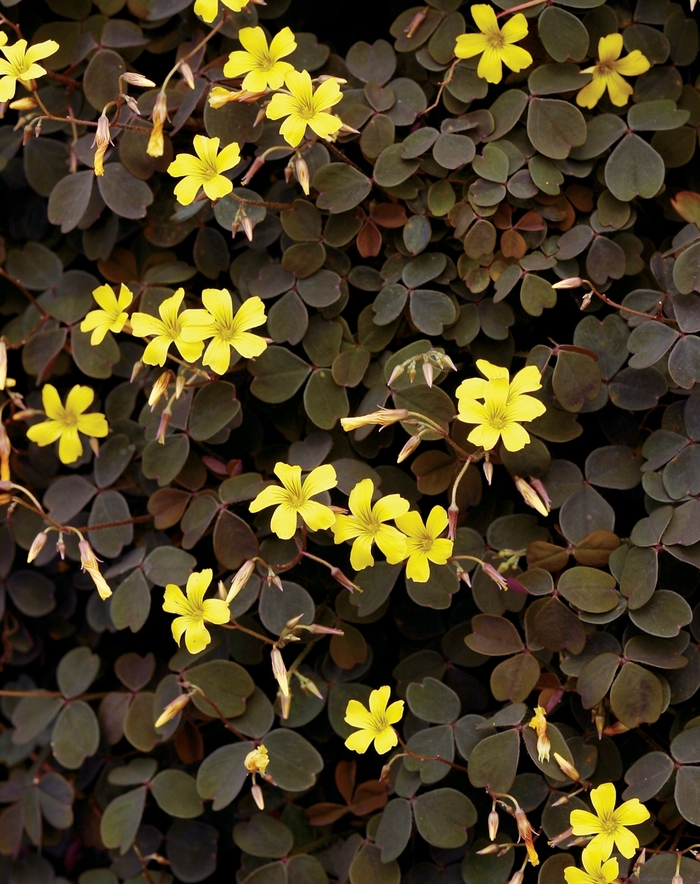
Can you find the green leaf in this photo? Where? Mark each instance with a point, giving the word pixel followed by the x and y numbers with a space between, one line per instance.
pixel 433 701
pixel 294 763
pixel 121 820
pixel 636 696
pixel 176 794
pixel 394 830
pixel 340 187
pixel 443 816
pixel 69 200
pixel 633 169
pixel 76 734
pixel 555 126
pixel 563 35
pixel 164 462
pixel 494 761
pixel 222 774
pixel 223 682
pixel 576 380
pixel 76 671
pixel 648 775
pixel 214 406
pixel 263 835
pixel 277 374
pixel 124 194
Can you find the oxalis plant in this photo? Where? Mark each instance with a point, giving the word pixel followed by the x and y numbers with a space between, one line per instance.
pixel 349 462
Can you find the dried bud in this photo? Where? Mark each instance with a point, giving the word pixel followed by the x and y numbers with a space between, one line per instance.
pixel 159 116
pixel 567 768
pixel 240 579
pixel 539 724
pixel 257 760
pixel 562 836
pixel 572 282
pixel 279 670
pixel 101 142
pixel 428 373
pixel 415 23
pixel 639 862
pixel 172 709
pixel 453 518
pixel 38 544
pixel 301 170
pixel 488 471
pixel 257 794
pixel 586 300
pixel 160 388
pixel 493 823
pixel 530 496
pixel 318 629
pixel 131 103
pixel 396 373
pixel 138 80
pixel 408 449
pixel 255 166
pixel 382 418
pixel 285 704
pixel 187 74
pixel 90 564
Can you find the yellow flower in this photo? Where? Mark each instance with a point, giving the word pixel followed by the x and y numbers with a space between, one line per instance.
pixel 209 9
pixel 375 723
pixel 20 64
pixel 367 526
pixel 607 73
pixel 505 405
pixel 294 499
pixel 539 723
pixel 261 64
pixel 609 826
pixel 89 561
pixel 423 543
pixel 495 43
pixel 229 331
pixel 597 871
pixel 194 610
pixel 111 317
pixel 205 170
pixel 304 107
pixel 65 423
pixel 186 330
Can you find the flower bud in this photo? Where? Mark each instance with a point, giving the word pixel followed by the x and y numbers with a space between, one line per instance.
pixel 452 519
pixel 240 579
pixel 560 802
pixel 187 74
pixel 138 80
pixel 382 418
pixel 131 103
pixel 163 424
pixel 257 760
pixel 562 836
pixel 428 373
pixel 159 116
pixel 586 300
pixel 489 849
pixel 408 449
pixel 61 547
pixel 136 370
pixel 338 575
pixel 279 670
pixel 488 471
pixel 3 363
pixel 5 452
pixel 247 225
pixel 530 496
pixel 538 485
pixel 493 823
pixel 518 877
pixel 101 142
pixel 572 282
pixel 491 572
pixel 446 361
pixel 257 794
pixel 301 170
pixel 255 166
pixel 285 705
pixel 172 709
pixel 219 96
pixel 24 104
pixel 38 544
pixel 160 388
pixel 396 373
pixel 90 565
pixel 318 629
pixel 411 29
pixel 567 768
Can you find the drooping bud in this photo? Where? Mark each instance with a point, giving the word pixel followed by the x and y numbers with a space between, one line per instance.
pixel 560 802
pixel 131 103
pixel 160 388
pixel 90 565
pixel 285 705
pixel 382 418
pixel 5 452
pixel 257 760
pixel 138 80
pixel 586 300
pixel 187 74
pixel 518 877
pixel 493 822
pixel 38 544
pixel 415 23
pixel 24 104
pixel 172 709
pixel 257 795
pixel 163 424
pixel 255 166
pixel 319 629
pixel 525 832
pixel 159 116
pixel 562 836
pixel 491 572
pixel 567 768
pixel 61 547
pixel 101 142
pixel 452 519
pixel 530 496
pixel 489 849
pixel 301 170
pixel 396 373
pixel 488 471
pixel 136 370
pixel 408 449
pixel 247 225
pixel 240 579
pixel 539 487
pixel 219 96
pixel 428 373
pixel 279 670
pixel 307 685
pixel 539 724
pixel 571 282
pixel 338 575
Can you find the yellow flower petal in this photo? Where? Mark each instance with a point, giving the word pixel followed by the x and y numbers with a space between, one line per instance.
pixel 356 715
pixel 284 521
pixel 361 553
pixel 317 516
pixel 378 700
pixel 197 637
pixel 360 741
pixel 320 479
pixel 174 601
pixel 516 58
pixel 591 94
pixel 70 447
pixel 216 611
pixel 385 741
pixel 79 399
pixel 45 433
pixel 618 89
pixel 633 64
pixel 418 567
pixel 631 813
pixel 515 28
pixel 218 187
pixel 489 67
pixel 609 48
pixel 469 45
pixel 514 437
pixel 52 402
pixel 485 18
pixel 392 543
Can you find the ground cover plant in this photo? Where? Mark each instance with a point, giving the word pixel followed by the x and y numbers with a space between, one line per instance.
pixel 349 442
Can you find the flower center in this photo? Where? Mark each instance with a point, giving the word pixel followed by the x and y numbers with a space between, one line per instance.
pixel 609 824
pixel 425 543
pixel 174 329
pixel 604 68
pixel 306 109
pixel 496 40
pixel 266 62
pixel 380 723
pixel 70 420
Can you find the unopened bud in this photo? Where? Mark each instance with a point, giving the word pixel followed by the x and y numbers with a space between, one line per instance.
pixel 408 449
pixel 61 547
pixel 382 418
pixel 90 565
pixel 446 361
pixel 488 471
pixel 491 572
pixel 560 802
pixel 159 116
pixel 255 166
pixel 338 575
pixel 131 103
pixel 639 862
pixel 464 575
pixel 489 849
pixel 301 170
pixel 412 371
pixel 452 519
pixel 138 80
pixel 163 425
pixel 562 836
pixel 136 370
pixel 3 363
pixel 240 579
pixel 586 300
pixel 285 704
pixel 530 496
pixel 518 877
pixel 415 23
pixel 38 544
pixel 160 388
pixel 187 74
pixel 307 685
pixel 257 794
pixel 428 373
pixel 101 142
pixel 24 104
pixel 247 225
pixel 172 709
pixel 567 768
pixel 538 485
pixel 318 629
pixel 493 824
pixel 396 373
pixel 572 282
pixel 279 670
pixel 219 96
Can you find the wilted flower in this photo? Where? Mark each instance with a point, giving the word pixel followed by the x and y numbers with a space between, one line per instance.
pixel 89 561
pixel 539 724
pixel 158 117
pixel 37 545
pixel 101 142
pixel 257 760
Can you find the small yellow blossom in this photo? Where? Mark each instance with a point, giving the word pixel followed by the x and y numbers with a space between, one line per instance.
pixel 231 331
pixel 423 542
pixel 294 499
pixel 194 610
pixel 261 64
pixel 607 73
pixel 257 760
pixel 539 724
pixel 505 405
pixel 111 317
pixel 367 525
pixel 375 723
pixel 89 561
pixel 64 423
pixel 20 64
pixel 304 107
pixel 159 115
pixel 599 870
pixel 173 708
pixel 186 330
pixel 205 170
pixel 494 44
pixel 209 9
pixel 609 826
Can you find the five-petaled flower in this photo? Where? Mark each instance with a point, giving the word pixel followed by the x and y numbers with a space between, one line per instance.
pixel 294 499
pixel 186 330
pixel 539 724
pixel 65 422
pixel 261 63
pixel 20 64
pixel 423 542
pixel 367 525
pixel 505 405
pixel 609 826
pixel 231 330
pixel 111 317
pixel 375 723
pixel 607 73
pixel 204 170
pixel 209 9
pixel 599 869
pixel 304 107
pixel 194 610
pixel 494 44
